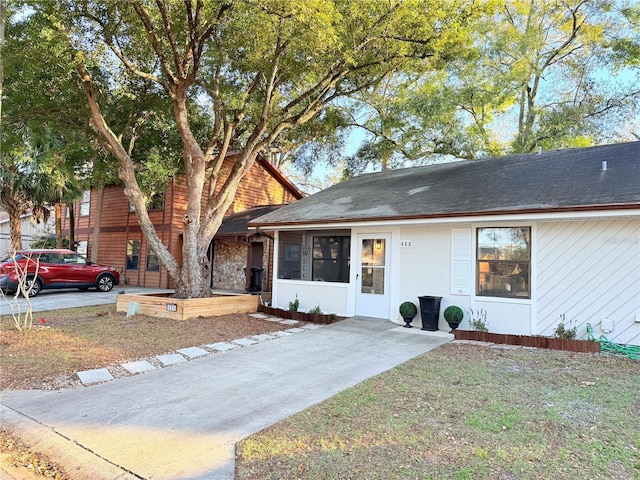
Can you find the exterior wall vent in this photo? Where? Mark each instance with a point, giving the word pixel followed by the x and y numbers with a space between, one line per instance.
pixel 606 325
pixel 604 165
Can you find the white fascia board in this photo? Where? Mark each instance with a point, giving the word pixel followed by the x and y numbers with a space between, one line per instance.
pixel 517 217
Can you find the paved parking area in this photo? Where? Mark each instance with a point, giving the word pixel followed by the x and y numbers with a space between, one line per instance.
pixel 69 298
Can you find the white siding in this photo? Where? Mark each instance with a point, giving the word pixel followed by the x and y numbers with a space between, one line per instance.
pixel 425 269
pixel 589 271
pixel 505 315
pixel 331 297
pixel 30 230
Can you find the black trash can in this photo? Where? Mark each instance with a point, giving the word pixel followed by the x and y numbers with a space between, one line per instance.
pixel 430 312
pixel 256 280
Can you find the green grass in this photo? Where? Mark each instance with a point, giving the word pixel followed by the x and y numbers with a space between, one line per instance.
pixel 466 412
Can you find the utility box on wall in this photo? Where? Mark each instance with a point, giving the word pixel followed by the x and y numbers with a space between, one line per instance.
pixel 606 325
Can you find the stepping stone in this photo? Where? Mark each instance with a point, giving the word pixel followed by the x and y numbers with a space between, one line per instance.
pixel 311 326
pixel 221 346
pixel 193 352
pixel 281 334
pixel 262 337
pixel 296 330
pixel 273 319
pixel 289 322
pixel 99 375
pixel 245 341
pixel 170 359
pixel 140 366
pixel 258 315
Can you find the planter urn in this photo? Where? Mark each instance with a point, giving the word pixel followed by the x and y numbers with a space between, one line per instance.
pixel 408 311
pixel 453 326
pixel 430 312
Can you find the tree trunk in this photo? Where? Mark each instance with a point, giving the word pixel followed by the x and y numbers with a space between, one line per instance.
pixel 15 229
pixel 57 208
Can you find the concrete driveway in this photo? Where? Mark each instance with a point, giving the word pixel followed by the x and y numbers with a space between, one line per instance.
pixel 182 422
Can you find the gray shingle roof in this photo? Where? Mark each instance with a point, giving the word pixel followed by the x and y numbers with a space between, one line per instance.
pixel 236 224
pixel 559 180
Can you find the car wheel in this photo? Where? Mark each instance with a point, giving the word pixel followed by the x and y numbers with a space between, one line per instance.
pixel 105 283
pixel 32 287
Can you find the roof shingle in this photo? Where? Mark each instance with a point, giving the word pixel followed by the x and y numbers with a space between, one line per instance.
pixel 557 180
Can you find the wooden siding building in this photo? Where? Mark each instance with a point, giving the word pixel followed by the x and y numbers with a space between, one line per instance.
pixel 107 230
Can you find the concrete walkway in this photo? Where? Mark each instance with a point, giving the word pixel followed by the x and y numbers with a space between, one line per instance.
pixel 182 422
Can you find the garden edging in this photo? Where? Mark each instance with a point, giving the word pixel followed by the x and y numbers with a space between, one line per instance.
pixel 583 346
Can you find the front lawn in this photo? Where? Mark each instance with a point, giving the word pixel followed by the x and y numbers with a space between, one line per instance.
pixel 63 342
pixel 465 412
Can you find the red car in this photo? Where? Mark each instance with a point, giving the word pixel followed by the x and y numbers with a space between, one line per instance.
pixel 56 268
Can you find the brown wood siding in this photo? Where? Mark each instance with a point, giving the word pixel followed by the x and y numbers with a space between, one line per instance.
pixel 261 186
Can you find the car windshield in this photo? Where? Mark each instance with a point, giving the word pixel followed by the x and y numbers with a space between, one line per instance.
pixel 9 256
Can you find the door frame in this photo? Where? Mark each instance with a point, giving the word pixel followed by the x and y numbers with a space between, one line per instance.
pixel 371 305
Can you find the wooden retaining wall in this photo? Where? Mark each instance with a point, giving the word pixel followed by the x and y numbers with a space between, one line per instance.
pixel 164 306
pixel 584 346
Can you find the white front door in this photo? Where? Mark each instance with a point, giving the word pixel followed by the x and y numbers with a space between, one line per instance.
pixel 372 275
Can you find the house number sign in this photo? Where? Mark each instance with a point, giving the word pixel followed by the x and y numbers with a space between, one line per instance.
pixel 406 244
pixel 172 307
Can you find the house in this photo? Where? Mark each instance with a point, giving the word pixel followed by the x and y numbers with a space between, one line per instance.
pixel 107 230
pixel 525 238
pixel 31 230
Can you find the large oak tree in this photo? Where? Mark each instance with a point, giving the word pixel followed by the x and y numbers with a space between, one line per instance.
pixel 234 76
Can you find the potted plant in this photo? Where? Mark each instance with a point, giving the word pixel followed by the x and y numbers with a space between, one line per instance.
pixel 408 310
pixel 453 315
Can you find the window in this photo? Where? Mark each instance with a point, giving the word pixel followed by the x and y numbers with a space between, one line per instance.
pixel 85 203
pixel 503 262
pixel 331 259
pixel 73 258
pixel 153 265
pixel 82 247
pixel 133 254
pixel 290 262
pixel 321 256
pixel 156 202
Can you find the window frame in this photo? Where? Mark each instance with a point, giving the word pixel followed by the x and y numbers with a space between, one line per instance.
pixel 513 275
pixel 84 209
pixel 344 264
pixel 155 267
pixel 156 202
pixel 130 264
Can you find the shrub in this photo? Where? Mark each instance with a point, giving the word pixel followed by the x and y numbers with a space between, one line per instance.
pixel 293 306
pixel 453 314
pixel 408 310
pixel 316 310
pixel 478 320
pixel 562 331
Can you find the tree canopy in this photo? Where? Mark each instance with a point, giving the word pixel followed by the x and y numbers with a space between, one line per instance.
pixel 177 85
pixel 539 74
pixel 169 88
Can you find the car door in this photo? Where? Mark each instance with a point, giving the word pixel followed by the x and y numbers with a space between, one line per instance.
pixel 76 270
pixel 48 268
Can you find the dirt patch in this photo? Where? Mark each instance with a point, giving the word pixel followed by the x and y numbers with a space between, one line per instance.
pixel 63 342
pixel 25 461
